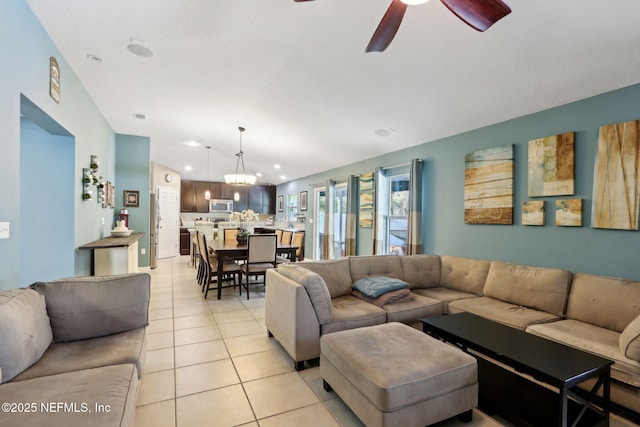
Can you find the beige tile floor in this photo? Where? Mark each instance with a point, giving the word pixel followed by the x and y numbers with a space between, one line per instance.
pixel 210 363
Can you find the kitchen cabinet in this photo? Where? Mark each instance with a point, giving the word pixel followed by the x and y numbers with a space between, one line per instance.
pixel 187 196
pixel 185 241
pixel 202 204
pixel 259 198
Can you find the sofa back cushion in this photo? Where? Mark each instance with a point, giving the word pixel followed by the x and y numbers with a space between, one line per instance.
pixel 25 331
pixel 464 274
pixel 334 272
pixel 315 287
pixel 88 307
pixel 421 271
pixel 363 267
pixel 603 301
pixel 543 289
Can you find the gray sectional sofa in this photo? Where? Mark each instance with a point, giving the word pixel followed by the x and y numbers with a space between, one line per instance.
pixel 600 315
pixel 73 350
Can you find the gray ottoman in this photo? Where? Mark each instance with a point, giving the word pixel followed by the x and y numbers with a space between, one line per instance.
pixel 395 375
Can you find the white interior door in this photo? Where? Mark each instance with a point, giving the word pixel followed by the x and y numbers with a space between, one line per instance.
pixel 168 230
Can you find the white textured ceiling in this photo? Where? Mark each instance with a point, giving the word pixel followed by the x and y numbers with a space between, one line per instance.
pixel 297 77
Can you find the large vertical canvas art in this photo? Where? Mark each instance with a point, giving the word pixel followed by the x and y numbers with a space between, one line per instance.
pixel 488 186
pixel 551 165
pixel 617 177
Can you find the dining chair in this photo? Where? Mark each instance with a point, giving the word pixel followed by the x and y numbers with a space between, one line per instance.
pixel 230 270
pixel 279 234
pixel 298 240
pixel 261 256
pixel 230 233
pixel 286 237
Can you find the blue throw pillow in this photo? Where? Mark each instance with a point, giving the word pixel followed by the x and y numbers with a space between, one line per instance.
pixel 378 285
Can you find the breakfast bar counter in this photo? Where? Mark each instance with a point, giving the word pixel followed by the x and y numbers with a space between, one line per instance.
pixel 115 255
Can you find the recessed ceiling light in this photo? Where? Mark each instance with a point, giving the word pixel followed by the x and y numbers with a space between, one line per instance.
pixel 276 166
pixel 283 177
pixel 140 116
pixel 94 58
pixel 139 48
pixel 258 174
pixel 188 168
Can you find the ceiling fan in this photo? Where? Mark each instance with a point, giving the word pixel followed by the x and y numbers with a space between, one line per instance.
pixel 478 14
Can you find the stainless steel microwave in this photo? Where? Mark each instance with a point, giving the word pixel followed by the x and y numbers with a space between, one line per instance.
pixel 221 205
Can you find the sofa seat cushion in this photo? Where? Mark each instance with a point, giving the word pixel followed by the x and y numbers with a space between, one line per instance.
pixel 593 339
pixel 444 295
pixel 334 272
pixel 464 274
pixel 350 312
pixel 421 271
pixel 88 307
pixel 408 377
pixel 543 289
pixel 115 386
pixel 411 311
pixel 126 347
pixel 25 331
pixel 506 313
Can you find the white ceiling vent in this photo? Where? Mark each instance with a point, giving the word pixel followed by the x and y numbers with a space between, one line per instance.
pixel 140 116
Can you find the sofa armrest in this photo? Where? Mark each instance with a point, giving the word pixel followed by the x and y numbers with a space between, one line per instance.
pixel 89 307
pixel 290 317
pixel 630 340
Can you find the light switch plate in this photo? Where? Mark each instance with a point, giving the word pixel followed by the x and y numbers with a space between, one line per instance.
pixel 4 230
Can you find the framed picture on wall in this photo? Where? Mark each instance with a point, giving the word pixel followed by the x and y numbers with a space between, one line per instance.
pixel 131 198
pixel 303 200
pixel 280 203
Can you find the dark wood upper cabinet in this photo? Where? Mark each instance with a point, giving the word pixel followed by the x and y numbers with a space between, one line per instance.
pixel 259 198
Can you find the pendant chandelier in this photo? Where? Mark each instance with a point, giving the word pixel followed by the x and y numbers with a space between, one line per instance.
pixel 207 194
pixel 240 178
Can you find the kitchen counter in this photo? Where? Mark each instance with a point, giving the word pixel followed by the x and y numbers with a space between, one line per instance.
pixel 115 255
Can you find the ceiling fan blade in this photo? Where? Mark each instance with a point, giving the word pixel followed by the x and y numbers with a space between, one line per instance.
pixel 479 14
pixel 388 27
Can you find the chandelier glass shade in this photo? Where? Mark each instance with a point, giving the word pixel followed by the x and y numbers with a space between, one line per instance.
pixel 240 178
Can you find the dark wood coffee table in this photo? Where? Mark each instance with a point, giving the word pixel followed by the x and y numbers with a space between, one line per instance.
pixel 516 397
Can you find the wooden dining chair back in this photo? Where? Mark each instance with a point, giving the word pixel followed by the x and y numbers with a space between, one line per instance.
pixel 279 234
pixel 230 233
pixel 298 240
pixel 261 255
pixel 202 272
pixel 286 237
pixel 230 270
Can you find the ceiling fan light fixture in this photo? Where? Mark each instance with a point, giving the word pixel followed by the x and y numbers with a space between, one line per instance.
pixel 240 178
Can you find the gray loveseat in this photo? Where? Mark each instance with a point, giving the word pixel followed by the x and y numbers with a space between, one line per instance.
pixel 597 314
pixel 73 350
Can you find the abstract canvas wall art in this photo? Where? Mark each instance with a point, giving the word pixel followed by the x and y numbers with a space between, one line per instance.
pixel 533 212
pixel 488 186
pixel 616 180
pixel 569 213
pixel 551 166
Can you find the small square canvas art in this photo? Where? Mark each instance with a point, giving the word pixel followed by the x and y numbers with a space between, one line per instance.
pixel 533 212
pixel 569 213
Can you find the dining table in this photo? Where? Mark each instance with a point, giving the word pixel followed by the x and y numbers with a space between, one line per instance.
pixel 233 249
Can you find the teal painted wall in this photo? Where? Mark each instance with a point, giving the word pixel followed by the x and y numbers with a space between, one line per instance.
pixel 606 252
pixel 24 75
pixel 46 204
pixel 133 173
